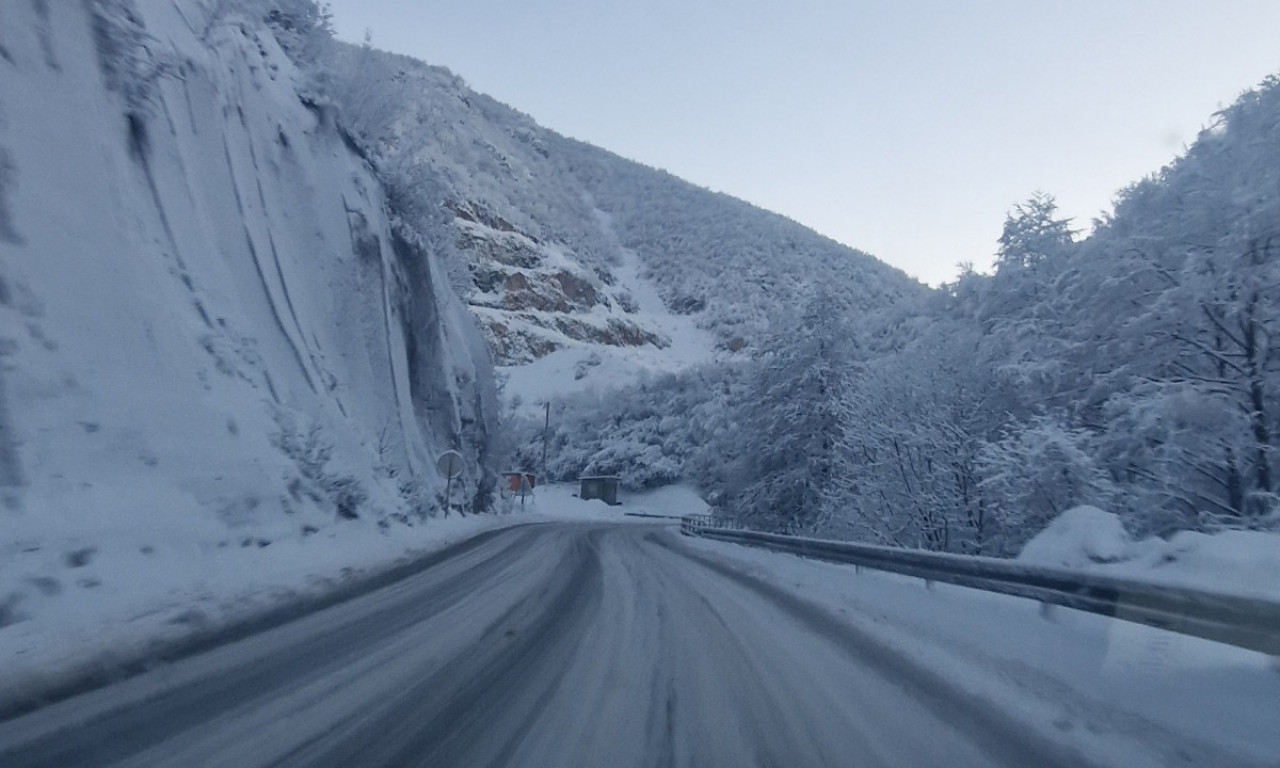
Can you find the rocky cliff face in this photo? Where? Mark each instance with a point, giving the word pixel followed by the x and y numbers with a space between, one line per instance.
pixel 535 297
pixel 207 313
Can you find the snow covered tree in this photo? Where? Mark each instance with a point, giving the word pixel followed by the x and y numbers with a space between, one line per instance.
pixel 1187 337
pixel 1038 471
pixel 791 425
pixel 1033 233
pixel 915 425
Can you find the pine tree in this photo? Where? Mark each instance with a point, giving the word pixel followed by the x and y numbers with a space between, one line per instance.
pixel 1033 233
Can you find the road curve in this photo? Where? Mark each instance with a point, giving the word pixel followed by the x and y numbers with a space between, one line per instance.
pixel 542 645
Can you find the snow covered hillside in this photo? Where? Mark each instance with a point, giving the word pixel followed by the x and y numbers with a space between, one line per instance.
pixel 583 267
pixel 212 332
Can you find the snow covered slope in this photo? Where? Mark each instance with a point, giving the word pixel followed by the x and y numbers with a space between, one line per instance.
pixel 211 332
pixel 585 268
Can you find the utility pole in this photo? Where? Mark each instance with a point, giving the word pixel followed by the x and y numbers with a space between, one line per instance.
pixel 546 435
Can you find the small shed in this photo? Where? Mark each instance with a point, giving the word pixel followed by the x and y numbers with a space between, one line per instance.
pixel 603 487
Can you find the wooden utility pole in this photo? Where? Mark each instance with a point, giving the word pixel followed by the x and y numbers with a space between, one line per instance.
pixel 546 435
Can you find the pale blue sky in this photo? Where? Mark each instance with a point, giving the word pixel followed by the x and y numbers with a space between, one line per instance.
pixel 906 128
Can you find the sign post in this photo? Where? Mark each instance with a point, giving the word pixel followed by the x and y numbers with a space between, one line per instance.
pixel 526 486
pixel 450 465
pixel 522 483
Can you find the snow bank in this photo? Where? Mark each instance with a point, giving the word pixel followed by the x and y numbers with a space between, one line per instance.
pixel 1233 562
pixel 1079 538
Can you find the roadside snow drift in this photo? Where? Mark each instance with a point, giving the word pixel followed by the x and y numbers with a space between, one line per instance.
pixel 1086 538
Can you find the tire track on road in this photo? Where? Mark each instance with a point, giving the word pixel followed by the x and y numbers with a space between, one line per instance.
pixel 475 710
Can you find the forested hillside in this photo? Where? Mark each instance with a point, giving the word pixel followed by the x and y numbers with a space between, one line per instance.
pixel 742 271
pixel 1136 369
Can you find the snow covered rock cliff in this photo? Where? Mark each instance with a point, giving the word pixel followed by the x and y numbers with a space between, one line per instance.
pixel 211 330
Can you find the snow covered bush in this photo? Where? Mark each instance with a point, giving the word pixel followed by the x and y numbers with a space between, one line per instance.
pixel 1086 538
pixel 311 452
pixel 662 430
pixel 1080 537
pixel 1038 471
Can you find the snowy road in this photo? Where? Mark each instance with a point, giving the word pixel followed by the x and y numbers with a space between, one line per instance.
pixel 560 645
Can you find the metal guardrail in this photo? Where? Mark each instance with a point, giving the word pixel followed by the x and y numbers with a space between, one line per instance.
pixel 1240 621
pixel 695 525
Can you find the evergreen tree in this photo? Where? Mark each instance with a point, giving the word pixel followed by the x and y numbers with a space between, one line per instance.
pixel 1033 233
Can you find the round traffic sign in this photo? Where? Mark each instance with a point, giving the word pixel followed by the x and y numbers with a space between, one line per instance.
pixel 449 464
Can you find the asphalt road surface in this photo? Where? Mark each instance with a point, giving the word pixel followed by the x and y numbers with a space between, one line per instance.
pixel 542 645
